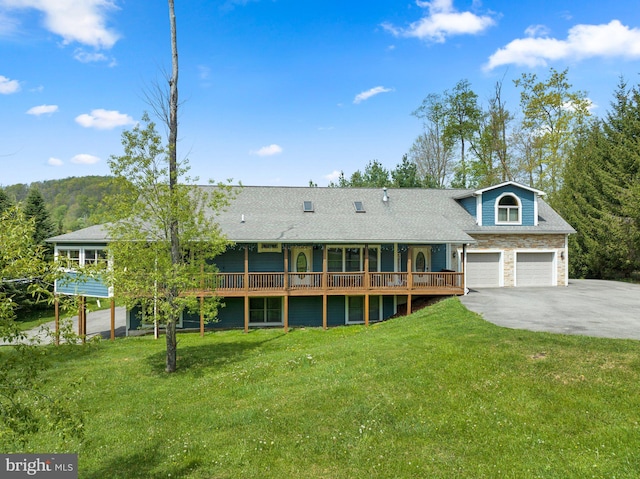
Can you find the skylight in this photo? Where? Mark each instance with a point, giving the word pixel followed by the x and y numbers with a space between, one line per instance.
pixel 359 206
pixel 307 206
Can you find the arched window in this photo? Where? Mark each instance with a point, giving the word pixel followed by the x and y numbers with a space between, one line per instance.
pixel 421 263
pixel 301 263
pixel 508 209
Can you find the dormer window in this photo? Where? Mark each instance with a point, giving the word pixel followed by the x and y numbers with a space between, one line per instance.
pixel 508 210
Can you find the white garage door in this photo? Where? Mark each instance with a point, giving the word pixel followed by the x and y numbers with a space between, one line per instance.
pixel 534 269
pixel 483 270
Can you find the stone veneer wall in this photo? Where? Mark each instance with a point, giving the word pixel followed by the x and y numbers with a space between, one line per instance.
pixel 511 243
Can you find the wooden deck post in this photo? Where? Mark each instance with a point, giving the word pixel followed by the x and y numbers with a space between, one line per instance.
pixel 56 304
pixel 246 288
pixel 201 314
pixel 409 277
pixel 246 313
pixel 366 285
pixel 113 319
pixel 286 313
pixel 324 311
pixel 324 286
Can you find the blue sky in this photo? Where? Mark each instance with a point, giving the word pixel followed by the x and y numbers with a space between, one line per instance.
pixel 280 92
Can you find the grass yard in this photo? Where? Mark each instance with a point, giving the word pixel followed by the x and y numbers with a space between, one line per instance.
pixel 438 394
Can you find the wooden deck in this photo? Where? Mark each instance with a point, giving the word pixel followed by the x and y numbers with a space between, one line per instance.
pixel 330 283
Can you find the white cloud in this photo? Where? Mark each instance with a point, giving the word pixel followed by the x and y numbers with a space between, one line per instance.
pixel 365 95
pixel 333 176
pixel 8 86
pixel 104 119
pixel 42 110
pixel 91 57
pixel 82 21
pixel 54 162
pixel 267 150
pixel 442 21
pixel 611 40
pixel 84 159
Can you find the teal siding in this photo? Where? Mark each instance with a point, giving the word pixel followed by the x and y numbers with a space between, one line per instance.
pixel 470 205
pixel 387 307
pixel 386 258
pixel 335 311
pixel 527 199
pixel 305 311
pixel 231 316
pixel 77 285
pixel 438 257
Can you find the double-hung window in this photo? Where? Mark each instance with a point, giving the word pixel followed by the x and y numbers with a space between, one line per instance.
pixel 508 210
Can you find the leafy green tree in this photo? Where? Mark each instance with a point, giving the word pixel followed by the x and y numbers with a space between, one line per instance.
pixel 405 175
pixel 145 270
pixel 553 113
pixel 24 410
pixel 492 147
pixel 430 152
pixel 462 121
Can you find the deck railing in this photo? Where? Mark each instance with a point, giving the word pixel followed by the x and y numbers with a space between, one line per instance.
pixel 317 282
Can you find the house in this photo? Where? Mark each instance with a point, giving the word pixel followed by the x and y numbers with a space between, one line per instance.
pixel 306 256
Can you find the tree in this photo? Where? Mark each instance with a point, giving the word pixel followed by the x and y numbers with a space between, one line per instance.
pixel 462 118
pixel 405 175
pixel 600 193
pixel 24 410
pixel 491 146
pixel 147 271
pixel 430 152
pixel 35 207
pixel 5 202
pixel 552 114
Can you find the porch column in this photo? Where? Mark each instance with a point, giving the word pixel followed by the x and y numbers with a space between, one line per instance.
pixel 410 268
pixel 464 267
pixel 324 286
pixel 113 319
pixel 367 284
pixel 56 305
pixel 408 304
pixel 246 288
pixel 286 267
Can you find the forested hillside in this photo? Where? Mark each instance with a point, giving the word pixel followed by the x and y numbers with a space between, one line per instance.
pixel 73 203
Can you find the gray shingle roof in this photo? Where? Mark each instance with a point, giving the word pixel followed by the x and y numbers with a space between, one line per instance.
pixel 275 214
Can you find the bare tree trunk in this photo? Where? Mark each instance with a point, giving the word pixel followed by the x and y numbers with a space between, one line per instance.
pixel 173 184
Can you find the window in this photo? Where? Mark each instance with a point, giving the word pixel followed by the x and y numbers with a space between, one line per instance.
pixel 307 206
pixel 301 263
pixel 359 206
pixel 508 210
pixel 265 310
pixel 269 248
pixel 95 256
pixel 69 257
pixel 355 309
pixel 344 259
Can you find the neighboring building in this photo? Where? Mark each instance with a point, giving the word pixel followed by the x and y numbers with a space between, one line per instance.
pixel 333 256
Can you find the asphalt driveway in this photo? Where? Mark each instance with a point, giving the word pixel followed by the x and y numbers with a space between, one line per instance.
pixel 607 309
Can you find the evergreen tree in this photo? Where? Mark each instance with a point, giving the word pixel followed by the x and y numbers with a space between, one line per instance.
pixel 5 202
pixel 35 207
pixel 600 193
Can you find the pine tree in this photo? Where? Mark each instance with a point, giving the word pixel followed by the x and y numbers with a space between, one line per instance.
pixel 5 202
pixel 35 207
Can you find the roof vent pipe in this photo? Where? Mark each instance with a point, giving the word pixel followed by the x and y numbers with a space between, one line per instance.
pixel 242 219
pixel 385 198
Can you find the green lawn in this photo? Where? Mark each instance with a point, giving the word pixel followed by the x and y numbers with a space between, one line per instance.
pixel 440 393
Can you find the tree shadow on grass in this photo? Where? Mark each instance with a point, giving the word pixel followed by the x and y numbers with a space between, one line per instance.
pixel 196 360
pixel 142 463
